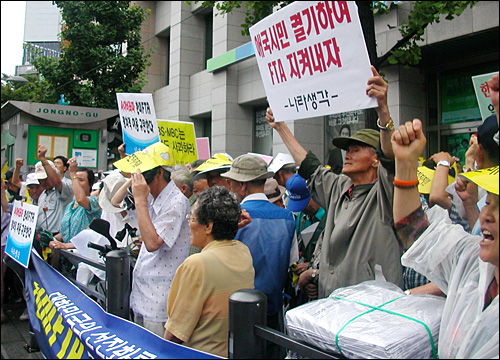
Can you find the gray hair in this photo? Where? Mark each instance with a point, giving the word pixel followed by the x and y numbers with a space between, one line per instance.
pixel 219 206
pixel 182 175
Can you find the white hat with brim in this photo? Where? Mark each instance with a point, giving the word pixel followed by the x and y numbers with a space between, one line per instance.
pixel 110 185
pixel 31 180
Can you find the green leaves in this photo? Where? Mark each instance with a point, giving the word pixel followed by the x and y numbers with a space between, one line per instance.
pixel 94 63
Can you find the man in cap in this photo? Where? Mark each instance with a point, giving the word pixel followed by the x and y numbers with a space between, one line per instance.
pixel 274 192
pixel 34 188
pixel 358 236
pixel 55 196
pixel 161 213
pixel 283 166
pixel 212 169
pixel 308 213
pixel 270 235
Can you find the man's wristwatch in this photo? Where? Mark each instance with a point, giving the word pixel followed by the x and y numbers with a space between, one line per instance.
pixel 314 273
pixel 444 163
pixel 388 127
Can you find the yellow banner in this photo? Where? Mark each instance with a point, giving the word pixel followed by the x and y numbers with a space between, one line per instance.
pixel 486 178
pixel 5 167
pixel 154 155
pixel 181 138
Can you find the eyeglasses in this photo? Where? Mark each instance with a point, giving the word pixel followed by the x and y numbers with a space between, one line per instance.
pixel 190 217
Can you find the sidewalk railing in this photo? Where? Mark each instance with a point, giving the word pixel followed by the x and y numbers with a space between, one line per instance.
pixel 248 333
pixel 117 288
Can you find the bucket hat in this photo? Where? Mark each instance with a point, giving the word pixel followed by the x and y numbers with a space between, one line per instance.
pixel 110 185
pixel 273 190
pixel 366 136
pixel 248 167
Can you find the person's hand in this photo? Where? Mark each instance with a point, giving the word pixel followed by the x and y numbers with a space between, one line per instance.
pixel 121 151
pixel 270 118
pixel 245 219
pixel 4 185
pixel 41 152
pixel 73 165
pixel 408 142
pixel 467 191
pixel 493 84
pixel 59 245
pixel 471 153
pixel 140 188
pixel 19 163
pixel 378 88
pixel 443 155
pixel 306 285
pixel 301 267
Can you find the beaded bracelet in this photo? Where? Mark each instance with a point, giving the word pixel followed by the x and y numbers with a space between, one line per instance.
pixel 405 184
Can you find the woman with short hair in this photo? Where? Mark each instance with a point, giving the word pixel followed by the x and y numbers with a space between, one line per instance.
pixel 198 302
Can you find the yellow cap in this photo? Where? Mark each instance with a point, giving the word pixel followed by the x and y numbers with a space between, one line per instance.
pixel 486 178
pixel 425 176
pixel 157 154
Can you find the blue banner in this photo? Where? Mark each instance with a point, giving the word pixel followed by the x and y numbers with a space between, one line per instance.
pixel 69 325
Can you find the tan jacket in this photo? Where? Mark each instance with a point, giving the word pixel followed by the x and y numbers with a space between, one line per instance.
pixel 358 233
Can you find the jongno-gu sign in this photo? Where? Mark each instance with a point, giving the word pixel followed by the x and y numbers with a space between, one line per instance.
pixel 313 60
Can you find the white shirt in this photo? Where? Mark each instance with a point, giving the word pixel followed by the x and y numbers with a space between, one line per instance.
pixel 449 257
pixel 154 271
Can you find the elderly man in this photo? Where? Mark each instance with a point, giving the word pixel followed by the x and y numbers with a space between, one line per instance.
pixel 161 213
pixel 358 241
pixel 271 234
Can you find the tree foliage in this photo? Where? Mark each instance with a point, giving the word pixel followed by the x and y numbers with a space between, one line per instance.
pixel 102 53
pixel 34 90
pixel 405 52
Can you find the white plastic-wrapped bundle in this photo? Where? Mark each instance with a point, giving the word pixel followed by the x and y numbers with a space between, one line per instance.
pixel 373 319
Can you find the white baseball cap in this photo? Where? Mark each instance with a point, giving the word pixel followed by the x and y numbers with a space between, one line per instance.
pixel 31 180
pixel 280 160
pixel 40 171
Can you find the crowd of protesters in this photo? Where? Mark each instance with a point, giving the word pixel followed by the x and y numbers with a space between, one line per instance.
pixel 295 228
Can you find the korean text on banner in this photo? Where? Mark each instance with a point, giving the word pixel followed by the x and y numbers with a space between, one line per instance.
pixel 21 232
pixel 138 121
pixel 181 138
pixel 313 60
pixel 69 325
pixel 483 94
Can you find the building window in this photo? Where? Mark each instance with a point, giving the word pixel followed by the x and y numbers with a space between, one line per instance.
pixel 262 133
pixel 209 38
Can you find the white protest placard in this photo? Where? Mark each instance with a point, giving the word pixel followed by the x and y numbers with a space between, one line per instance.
pixel 181 138
pixel 313 60
pixel 482 90
pixel 138 121
pixel 21 232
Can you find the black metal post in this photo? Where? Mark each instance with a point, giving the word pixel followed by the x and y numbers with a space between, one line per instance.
pixel 118 283
pixel 246 309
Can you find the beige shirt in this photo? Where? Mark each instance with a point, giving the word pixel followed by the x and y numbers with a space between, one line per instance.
pixel 198 302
